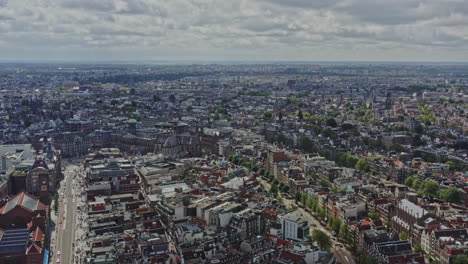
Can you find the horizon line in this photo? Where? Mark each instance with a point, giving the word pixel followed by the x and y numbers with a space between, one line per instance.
pixel 219 61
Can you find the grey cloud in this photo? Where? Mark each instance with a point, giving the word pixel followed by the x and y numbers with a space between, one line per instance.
pixel 383 11
pixel 236 28
pixel 90 5
pixel 305 3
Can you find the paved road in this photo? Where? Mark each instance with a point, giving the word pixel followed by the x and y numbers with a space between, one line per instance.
pixel 342 255
pixel 65 225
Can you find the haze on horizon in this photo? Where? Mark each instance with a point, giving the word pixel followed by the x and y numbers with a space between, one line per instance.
pixel 233 30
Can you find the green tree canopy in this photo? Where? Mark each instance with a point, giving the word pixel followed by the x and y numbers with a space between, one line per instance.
pixel 374 215
pixel 429 188
pixel 331 122
pixel 362 165
pixel 267 115
pixel 451 165
pixel 297 197
pixel 461 259
pixel 346 235
pixel 416 184
pixel 323 183
pixel 172 98
pixel 322 239
pixel 404 236
pixel 409 181
pixel 307 145
pixel 274 189
pixel 300 115
pixel 451 195
pixel 334 224
pixel 418 249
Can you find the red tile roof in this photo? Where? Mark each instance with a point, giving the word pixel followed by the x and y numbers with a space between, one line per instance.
pixel 38 235
pixel 33 249
pixel 25 201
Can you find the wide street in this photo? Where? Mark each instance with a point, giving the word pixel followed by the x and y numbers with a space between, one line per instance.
pixel 65 220
pixel 342 255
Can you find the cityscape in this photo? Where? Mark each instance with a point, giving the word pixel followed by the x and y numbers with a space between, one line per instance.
pixel 233 132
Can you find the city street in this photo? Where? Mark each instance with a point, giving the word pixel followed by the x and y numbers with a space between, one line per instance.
pixel 342 255
pixel 65 222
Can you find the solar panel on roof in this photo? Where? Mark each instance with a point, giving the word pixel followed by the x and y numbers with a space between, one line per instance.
pixel 14 240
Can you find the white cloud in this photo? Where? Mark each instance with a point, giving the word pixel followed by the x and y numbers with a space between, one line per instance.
pixel 234 29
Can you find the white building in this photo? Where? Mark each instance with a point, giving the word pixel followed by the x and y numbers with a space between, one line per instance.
pixel 294 227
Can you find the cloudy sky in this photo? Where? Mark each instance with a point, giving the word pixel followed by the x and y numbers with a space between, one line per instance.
pixel 254 30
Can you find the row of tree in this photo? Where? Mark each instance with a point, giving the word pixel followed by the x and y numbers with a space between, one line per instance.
pixel 276 185
pixel 342 229
pixel 238 160
pixel 432 189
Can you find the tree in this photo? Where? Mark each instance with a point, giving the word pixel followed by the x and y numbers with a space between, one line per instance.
pixel 345 234
pixel 397 148
pixel 429 188
pixel 281 138
pixel 274 189
pixel 267 115
pixel 461 259
pixel 351 161
pixel 334 224
pixel 409 181
pixel 430 158
pixel 323 183
pixel 275 181
pixel 419 129
pixel 297 197
pixel 322 239
pixel 156 98
pixel 416 184
pixel 403 236
pixel 418 249
pixel 300 115
pixel 367 259
pixel 247 164
pixel 388 224
pixel 321 212
pixel 347 126
pixel 307 145
pixel 374 216
pixel 362 165
pixel 279 198
pixel 304 198
pixel 331 122
pixel 451 165
pixel 172 98
pixel 451 195
pixel 56 203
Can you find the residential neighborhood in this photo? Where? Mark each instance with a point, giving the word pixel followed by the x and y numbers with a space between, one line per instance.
pixel 215 163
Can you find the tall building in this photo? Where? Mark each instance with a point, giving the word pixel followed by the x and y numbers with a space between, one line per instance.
pixel 294 227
